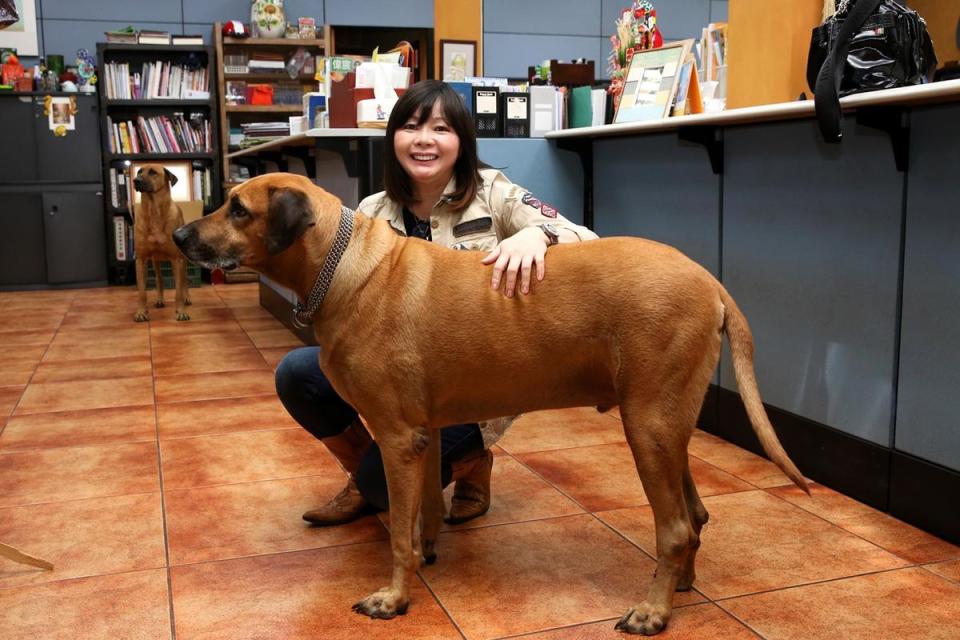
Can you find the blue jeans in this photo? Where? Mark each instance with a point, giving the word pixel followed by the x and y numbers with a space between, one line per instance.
pixel 310 399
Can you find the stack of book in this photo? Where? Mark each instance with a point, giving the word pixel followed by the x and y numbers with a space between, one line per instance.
pixel 155 80
pixel 255 133
pixel 153 37
pixel 266 61
pixel 161 134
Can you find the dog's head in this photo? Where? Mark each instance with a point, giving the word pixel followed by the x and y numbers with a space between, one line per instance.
pixel 153 178
pixel 261 219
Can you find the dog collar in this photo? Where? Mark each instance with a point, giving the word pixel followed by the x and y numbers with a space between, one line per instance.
pixel 303 315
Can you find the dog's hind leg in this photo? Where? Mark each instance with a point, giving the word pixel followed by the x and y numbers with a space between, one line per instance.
pixel 159 280
pixel 658 437
pixel 404 459
pixel 698 517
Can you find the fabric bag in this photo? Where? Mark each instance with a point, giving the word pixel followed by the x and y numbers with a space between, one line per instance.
pixel 867 45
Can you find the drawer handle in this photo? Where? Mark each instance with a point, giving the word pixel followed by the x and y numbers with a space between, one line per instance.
pixel 53 210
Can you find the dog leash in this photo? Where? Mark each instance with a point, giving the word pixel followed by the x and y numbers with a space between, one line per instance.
pixel 303 316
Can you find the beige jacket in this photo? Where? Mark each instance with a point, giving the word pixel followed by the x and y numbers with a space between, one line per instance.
pixel 499 210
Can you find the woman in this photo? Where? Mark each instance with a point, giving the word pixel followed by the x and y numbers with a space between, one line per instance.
pixel 435 190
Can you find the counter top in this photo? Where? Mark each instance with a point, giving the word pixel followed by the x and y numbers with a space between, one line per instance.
pixel 946 91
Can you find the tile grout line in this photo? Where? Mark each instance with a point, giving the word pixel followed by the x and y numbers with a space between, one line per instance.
pixel 439 602
pixel 56 330
pixel 163 501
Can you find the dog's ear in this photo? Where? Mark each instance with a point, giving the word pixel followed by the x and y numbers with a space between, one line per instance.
pixel 289 216
pixel 172 179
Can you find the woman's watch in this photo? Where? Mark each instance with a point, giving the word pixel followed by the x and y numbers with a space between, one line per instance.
pixel 552 233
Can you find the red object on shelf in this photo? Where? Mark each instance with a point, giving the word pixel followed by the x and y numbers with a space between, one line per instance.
pixel 260 94
pixel 217 276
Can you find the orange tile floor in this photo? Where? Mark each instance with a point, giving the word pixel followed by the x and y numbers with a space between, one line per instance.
pixel 154 466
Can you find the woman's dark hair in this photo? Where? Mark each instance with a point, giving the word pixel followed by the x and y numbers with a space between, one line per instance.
pixel 418 101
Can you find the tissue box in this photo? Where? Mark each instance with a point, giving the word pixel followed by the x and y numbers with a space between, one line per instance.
pixel 396 76
pixel 373 113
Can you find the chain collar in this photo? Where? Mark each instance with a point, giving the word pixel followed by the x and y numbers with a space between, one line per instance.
pixel 303 316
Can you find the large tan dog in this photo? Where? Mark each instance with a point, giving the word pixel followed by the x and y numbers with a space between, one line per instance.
pixel 157 217
pixel 413 337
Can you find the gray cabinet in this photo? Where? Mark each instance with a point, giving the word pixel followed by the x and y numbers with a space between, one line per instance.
pixel 22 260
pixel 74 237
pixel 52 230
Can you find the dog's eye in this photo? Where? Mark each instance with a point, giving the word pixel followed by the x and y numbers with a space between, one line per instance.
pixel 238 211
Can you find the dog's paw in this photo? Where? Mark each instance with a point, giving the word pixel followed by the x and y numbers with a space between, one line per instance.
pixel 644 619
pixel 159 304
pixel 141 316
pixel 182 315
pixel 188 302
pixel 383 604
pixel 429 551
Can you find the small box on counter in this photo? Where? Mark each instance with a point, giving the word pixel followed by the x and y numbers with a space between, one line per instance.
pixel 315 109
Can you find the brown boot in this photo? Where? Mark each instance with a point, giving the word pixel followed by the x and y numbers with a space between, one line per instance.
pixel 347 506
pixel 471 493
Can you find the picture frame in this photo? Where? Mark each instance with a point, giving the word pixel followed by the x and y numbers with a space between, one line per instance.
pixel 61 113
pixel 651 82
pixel 458 59
pixel 22 34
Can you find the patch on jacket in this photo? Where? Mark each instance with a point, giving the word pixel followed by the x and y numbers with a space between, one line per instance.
pixel 472 226
pixel 531 201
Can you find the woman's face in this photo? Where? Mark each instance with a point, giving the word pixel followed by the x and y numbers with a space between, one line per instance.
pixel 428 151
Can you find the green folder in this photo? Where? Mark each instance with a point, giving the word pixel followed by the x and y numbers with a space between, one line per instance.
pixel 581 107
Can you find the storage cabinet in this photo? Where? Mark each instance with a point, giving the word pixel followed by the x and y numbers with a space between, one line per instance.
pixel 52 231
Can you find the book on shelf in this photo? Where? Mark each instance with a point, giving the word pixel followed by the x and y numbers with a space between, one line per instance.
pixel 177 133
pixel 155 80
pixel 147 36
pixel 123 36
pixel 187 39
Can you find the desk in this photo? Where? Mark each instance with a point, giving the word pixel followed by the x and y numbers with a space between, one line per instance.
pixel 844 259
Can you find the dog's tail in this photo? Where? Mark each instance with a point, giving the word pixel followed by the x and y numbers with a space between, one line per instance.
pixel 741 349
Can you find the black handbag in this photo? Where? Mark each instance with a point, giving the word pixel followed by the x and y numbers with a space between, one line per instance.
pixel 867 45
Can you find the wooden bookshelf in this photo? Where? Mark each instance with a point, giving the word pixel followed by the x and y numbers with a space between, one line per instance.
pixel 236 114
pixel 127 110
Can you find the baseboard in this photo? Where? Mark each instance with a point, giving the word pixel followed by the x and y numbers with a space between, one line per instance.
pixel 926 495
pixel 282 310
pixel 911 489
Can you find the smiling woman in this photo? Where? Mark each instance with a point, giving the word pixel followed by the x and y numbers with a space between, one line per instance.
pixel 437 191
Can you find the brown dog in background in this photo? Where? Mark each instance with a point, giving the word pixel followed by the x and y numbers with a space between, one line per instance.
pixel 154 223
pixel 413 337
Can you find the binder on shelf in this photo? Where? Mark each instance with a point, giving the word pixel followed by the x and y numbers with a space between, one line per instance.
pixel 120 238
pixel 581 107
pixel 486 108
pixel 515 108
pixel 465 89
pixel 543 110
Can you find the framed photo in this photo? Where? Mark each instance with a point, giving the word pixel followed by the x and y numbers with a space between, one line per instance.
pixel 459 59
pixel 61 113
pixel 651 83
pixel 18 26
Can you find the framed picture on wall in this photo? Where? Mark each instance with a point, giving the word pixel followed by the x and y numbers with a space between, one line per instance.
pixel 651 83
pixel 458 57
pixel 18 26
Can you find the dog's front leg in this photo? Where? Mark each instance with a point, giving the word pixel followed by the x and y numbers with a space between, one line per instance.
pixel 180 280
pixel 432 511
pixel 159 304
pixel 141 314
pixel 404 460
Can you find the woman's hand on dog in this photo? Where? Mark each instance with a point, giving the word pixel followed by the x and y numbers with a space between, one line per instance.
pixel 517 255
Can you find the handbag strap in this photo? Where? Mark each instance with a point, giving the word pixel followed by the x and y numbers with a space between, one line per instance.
pixel 827 91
